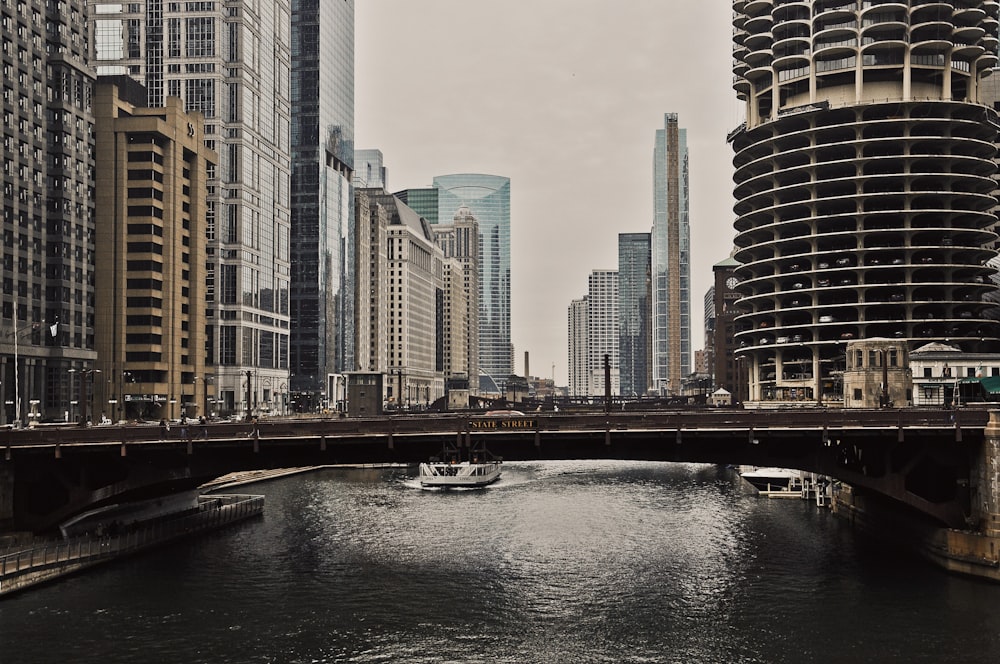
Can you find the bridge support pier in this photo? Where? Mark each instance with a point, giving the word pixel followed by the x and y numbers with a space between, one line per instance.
pixel 6 496
pixel 976 551
pixel 985 480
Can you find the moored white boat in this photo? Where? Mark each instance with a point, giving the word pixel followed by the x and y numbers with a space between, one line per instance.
pixel 774 481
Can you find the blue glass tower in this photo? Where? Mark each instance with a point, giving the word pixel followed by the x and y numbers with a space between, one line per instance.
pixel 322 93
pixel 633 313
pixel 488 198
pixel 671 251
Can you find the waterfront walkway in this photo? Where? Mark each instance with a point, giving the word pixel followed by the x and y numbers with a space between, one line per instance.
pixel 34 562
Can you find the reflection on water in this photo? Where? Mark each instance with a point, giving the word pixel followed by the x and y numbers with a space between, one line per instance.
pixel 557 562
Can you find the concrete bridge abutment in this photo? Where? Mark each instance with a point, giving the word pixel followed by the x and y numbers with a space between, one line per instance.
pixel 976 550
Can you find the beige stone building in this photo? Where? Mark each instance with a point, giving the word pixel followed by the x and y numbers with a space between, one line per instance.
pixel 460 242
pixel 877 374
pixel 152 174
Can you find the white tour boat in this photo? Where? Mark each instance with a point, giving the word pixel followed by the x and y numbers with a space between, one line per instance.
pixel 480 469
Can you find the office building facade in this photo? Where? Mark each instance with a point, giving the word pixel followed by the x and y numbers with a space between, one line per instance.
pixel 369 170
pixel 371 310
pixel 152 186
pixel 488 199
pixel 671 258
pixel 323 280
pixel 415 277
pixel 424 202
pixel 460 241
pixel 865 184
pixel 725 366
pixel 48 263
pixel 232 63
pixel 634 327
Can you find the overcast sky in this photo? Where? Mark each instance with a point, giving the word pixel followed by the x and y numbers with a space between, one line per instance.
pixel 563 97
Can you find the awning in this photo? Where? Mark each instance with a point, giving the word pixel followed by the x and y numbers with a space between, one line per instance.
pixel 990 384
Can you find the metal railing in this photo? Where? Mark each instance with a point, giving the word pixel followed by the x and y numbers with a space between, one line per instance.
pixel 21 567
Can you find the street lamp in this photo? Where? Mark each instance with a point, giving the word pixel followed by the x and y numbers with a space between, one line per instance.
pixel 84 399
pixel 53 329
pixel 205 380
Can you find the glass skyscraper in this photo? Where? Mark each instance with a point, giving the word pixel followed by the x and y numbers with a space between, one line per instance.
pixel 230 62
pixel 634 329
pixel 322 198
pixel 424 202
pixel 488 198
pixel 671 250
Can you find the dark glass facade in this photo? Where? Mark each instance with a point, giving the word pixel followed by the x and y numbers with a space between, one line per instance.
pixel 424 202
pixel 634 328
pixel 322 332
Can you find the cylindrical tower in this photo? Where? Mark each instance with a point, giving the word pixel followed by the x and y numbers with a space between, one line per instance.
pixel 864 183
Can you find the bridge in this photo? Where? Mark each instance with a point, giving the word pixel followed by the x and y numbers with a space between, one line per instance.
pixel 935 462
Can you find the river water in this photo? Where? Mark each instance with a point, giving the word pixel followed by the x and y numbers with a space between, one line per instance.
pixel 558 562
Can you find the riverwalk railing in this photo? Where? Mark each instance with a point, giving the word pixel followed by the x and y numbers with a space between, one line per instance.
pixel 24 566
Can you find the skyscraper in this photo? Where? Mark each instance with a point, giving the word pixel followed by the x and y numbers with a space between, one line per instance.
pixel 488 199
pixel 230 62
pixel 369 170
pixel 460 241
pixel 152 171
pixel 671 258
pixel 415 276
pixel 422 201
pixel 865 183
pixel 578 351
pixel 48 267
pixel 602 330
pixel 322 241
pixel 634 329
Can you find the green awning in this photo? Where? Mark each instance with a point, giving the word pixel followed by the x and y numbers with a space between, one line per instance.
pixel 990 384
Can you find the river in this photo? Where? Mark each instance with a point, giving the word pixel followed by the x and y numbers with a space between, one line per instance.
pixel 557 562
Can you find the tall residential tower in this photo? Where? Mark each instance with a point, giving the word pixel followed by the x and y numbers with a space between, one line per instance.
pixel 633 313
pixel 48 265
pixel 671 259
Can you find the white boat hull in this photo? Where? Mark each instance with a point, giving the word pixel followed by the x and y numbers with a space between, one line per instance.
pixel 456 475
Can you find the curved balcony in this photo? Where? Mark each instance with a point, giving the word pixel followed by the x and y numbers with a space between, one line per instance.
pixel 969 51
pixel 930 31
pixel 758 41
pixel 935 47
pixel 887 7
pixel 792 46
pixel 968 34
pixel 755 7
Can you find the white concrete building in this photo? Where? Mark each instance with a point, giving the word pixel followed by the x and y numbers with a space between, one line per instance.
pixel 579 375
pixel 602 330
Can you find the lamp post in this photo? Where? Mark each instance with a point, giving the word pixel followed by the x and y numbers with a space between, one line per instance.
pixel 204 384
pixel 54 328
pixel 84 398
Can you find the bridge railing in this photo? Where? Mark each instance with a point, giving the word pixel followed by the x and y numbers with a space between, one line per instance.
pixel 446 423
pixel 23 566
